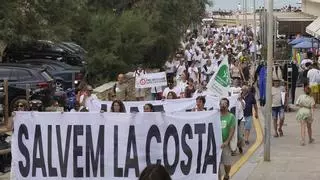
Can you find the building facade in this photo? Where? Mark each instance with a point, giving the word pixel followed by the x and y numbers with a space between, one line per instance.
pixel 311 7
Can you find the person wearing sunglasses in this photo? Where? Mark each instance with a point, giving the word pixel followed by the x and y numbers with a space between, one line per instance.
pixel 21 107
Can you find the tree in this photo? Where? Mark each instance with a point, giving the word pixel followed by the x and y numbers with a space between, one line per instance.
pixel 118 34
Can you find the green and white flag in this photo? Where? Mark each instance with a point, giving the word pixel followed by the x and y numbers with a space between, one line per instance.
pixel 220 82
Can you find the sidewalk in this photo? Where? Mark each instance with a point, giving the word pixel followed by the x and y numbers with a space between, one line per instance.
pixel 289 160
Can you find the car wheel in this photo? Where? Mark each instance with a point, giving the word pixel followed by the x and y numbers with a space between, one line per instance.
pixel 59 85
pixel 16 100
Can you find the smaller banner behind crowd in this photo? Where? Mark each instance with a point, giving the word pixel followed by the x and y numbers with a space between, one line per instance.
pixel 151 80
pixel 172 105
pixel 115 145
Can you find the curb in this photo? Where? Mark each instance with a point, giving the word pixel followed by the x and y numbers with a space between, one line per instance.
pixel 259 139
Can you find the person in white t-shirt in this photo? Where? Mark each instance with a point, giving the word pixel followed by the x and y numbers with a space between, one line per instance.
pixel 173 88
pixel 314 78
pixel 236 87
pixel 240 106
pixel 259 48
pixel 156 93
pixel 211 54
pixel 182 83
pixel 202 90
pixel 89 100
pixel 170 69
pixel 197 58
pixel 188 55
pixel 140 92
pixel 180 68
pixel 277 107
pixel 252 48
pixel 208 70
pixel 193 73
pixel 216 59
pixel 307 60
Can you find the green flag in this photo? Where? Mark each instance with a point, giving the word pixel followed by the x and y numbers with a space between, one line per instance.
pixel 220 82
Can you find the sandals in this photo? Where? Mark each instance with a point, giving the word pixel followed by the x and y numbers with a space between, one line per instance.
pixel 276 135
pixel 226 178
pixel 302 143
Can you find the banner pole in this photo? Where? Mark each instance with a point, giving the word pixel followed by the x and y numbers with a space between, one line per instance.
pixel 269 82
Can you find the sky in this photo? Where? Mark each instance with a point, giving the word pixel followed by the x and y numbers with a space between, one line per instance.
pixel 233 4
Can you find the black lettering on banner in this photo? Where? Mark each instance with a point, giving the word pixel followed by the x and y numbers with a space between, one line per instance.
pixel 171 131
pixel 118 172
pixel 37 145
pixel 199 129
pixel 77 151
pixel 63 157
pixel 186 131
pixel 211 147
pixel 153 132
pixel 99 152
pixel 52 170
pixel 23 131
pixel 131 162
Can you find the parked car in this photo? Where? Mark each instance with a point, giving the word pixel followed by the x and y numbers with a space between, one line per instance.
pixel 16 95
pixel 64 74
pixel 24 77
pixel 40 49
pixel 77 48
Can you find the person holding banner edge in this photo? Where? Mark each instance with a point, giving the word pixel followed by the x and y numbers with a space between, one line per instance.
pixel 228 121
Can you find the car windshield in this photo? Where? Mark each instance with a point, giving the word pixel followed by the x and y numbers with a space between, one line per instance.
pixel 47 76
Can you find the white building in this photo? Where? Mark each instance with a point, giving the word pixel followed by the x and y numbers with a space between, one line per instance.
pixel 312 7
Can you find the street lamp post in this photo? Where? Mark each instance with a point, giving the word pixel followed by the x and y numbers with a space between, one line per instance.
pixel 254 31
pixel 243 12
pixel 269 82
pixel 245 15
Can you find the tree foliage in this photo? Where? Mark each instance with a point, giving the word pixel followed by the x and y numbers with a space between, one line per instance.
pixel 118 34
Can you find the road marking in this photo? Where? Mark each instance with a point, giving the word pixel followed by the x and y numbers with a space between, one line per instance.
pixel 259 138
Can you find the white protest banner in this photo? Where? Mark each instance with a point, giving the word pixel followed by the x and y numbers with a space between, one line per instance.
pixel 176 105
pixel 115 145
pixel 151 80
pixel 220 82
